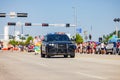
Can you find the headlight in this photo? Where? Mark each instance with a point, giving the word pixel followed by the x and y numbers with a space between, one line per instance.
pixel 51 44
pixel 72 46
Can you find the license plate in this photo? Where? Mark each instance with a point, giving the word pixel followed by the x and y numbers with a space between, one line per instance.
pixel 109 50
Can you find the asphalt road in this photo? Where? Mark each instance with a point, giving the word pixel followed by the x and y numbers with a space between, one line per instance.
pixel 27 66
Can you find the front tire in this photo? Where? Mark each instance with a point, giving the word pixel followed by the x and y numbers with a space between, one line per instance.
pixel 48 56
pixel 65 56
pixel 72 55
pixel 42 55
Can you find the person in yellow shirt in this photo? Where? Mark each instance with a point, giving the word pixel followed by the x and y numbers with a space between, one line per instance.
pixel 37 44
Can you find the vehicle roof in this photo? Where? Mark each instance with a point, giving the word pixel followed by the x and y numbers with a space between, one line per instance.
pixel 56 34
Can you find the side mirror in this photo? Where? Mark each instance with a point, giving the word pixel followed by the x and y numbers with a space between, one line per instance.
pixel 73 39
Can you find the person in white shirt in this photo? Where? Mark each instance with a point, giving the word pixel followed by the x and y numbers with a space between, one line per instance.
pixel 102 47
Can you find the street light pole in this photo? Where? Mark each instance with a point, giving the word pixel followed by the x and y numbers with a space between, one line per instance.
pixel 22 29
pixel 116 30
pixel 116 20
pixel 19 24
pixel 75 20
pixel 14 31
pixel 22 32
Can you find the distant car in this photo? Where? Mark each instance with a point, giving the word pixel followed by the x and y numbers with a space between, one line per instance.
pixel 110 48
pixel 57 44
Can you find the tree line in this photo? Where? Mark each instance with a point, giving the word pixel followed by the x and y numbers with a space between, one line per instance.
pixel 108 36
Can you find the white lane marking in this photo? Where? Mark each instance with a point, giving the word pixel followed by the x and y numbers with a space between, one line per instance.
pixel 91 76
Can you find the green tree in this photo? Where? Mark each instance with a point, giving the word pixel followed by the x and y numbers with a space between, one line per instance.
pixel 13 42
pixel 29 39
pixel 79 38
pixel 22 43
pixel 107 37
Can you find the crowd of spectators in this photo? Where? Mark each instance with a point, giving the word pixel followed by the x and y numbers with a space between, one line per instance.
pixel 1 45
pixel 86 47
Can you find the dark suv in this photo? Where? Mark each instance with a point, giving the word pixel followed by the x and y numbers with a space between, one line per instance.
pixel 57 44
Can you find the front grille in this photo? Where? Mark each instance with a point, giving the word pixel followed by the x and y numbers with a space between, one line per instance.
pixel 62 48
pixel 58 48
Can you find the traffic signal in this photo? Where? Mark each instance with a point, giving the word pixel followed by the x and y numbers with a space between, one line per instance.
pixel 28 24
pixel 22 14
pixel 100 39
pixel 90 36
pixel 2 14
pixel 45 24
pixel 67 25
pixel 116 19
pixel 11 23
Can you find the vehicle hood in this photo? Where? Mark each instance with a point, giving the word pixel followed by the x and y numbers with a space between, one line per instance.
pixel 109 46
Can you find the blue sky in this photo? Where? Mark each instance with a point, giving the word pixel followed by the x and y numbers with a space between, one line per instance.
pixel 96 13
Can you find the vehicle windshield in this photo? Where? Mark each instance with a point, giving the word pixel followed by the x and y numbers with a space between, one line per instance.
pixel 58 38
